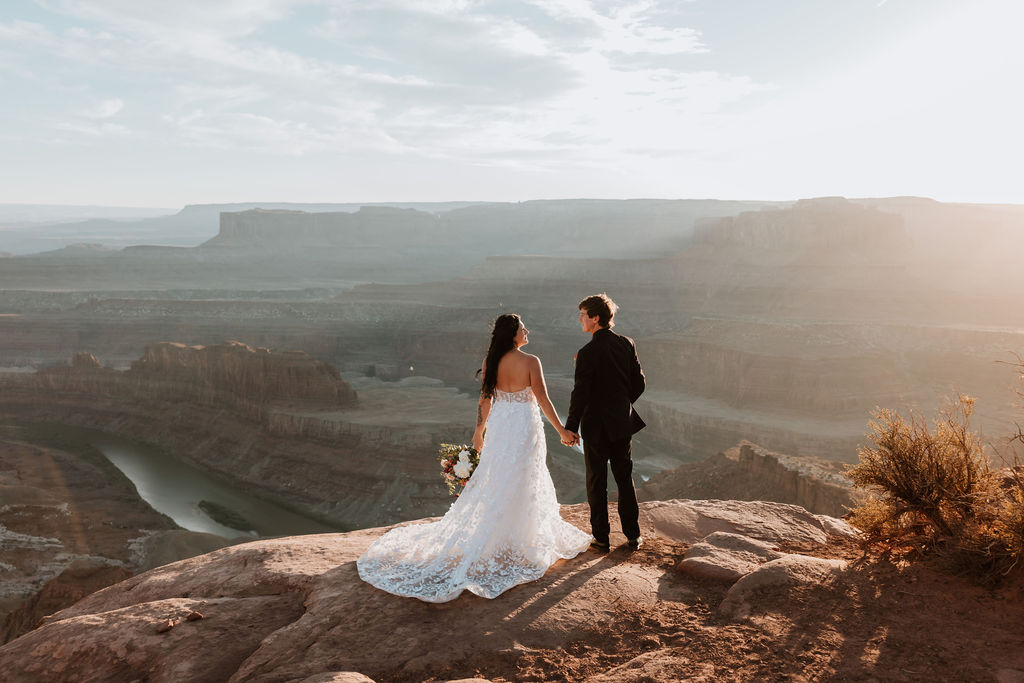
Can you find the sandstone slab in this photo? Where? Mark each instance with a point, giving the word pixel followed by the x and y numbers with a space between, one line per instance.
pixel 726 557
pixel 338 677
pixel 789 570
pixel 300 610
pixel 153 641
pixel 294 609
pixel 688 521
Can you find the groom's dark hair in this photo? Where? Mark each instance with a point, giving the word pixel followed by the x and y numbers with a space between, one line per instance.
pixel 602 306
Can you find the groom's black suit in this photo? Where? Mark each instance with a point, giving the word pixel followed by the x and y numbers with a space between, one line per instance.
pixel 608 380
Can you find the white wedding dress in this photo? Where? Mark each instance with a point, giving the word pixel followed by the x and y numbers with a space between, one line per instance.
pixel 505 528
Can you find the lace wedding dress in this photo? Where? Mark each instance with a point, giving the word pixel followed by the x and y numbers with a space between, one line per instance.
pixel 503 530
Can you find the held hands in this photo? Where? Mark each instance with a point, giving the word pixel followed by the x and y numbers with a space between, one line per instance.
pixel 569 438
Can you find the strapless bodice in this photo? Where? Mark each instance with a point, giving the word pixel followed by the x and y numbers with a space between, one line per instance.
pixel 524 395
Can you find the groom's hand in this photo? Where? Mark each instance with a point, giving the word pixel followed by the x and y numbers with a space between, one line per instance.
pixel 575 439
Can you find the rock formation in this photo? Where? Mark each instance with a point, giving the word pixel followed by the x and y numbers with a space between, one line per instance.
pixel 294 609
pixel 583 227
pixel 828 224
pixel 749 472
pixel 369 226
pixel 278 424
pixel 231 375
pixel 234 374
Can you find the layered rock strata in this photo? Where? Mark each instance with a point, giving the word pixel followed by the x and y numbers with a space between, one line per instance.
pixel 281 425
pixel 749 472
pixel 231 376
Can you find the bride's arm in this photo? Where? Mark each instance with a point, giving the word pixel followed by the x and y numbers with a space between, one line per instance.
pixel 483 409
pixel 540 390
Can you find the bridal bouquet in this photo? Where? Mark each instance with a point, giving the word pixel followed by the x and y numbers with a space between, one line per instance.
pixel 457 464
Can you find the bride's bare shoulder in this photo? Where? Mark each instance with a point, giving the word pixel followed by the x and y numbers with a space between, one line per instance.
pixel 532 362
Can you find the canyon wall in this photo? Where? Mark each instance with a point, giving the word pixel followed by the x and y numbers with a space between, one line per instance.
pixel 231 375
pixel 828 224
pixel 367 227
pixel 747 471
pixel 280 425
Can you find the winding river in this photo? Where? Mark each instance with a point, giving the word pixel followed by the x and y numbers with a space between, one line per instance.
pixel 176 488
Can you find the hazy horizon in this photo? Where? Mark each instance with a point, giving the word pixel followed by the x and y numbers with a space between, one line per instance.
pixel 166 210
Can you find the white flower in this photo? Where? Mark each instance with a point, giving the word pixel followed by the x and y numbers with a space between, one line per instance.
pixel 463 456
pixel 463 469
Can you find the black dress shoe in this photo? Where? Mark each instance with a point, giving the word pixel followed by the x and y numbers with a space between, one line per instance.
pixel 635 543
pixel 600 546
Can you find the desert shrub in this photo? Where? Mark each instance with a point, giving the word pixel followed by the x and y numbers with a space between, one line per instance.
pixel 931 488
pixel 926 481
pixel 1011 518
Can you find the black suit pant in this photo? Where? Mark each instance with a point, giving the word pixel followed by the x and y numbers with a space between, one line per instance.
pixel 599 454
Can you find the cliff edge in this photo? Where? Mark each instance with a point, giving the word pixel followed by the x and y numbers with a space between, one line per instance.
pixel 722 590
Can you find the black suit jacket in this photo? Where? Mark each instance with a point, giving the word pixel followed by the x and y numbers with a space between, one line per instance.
pixel 608 380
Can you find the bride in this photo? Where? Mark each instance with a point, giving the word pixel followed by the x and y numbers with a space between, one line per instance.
pixel 505 528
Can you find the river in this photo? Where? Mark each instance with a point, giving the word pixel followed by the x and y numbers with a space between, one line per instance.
pixel 176 488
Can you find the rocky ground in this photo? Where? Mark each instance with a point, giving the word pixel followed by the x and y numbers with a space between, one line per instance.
pixel 722 590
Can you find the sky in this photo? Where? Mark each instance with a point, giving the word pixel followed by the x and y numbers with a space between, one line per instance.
pixel 154 103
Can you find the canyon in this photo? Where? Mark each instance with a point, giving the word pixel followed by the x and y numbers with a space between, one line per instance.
pixel 71 524
pixel 784 325
pixel 280 424
pixel 316 355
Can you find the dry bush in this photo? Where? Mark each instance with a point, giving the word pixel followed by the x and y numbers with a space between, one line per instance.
pixel 933 489
pixel 926 482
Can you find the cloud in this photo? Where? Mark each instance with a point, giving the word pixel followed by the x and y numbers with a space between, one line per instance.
pixel 94 129
pixel 103 110
pixel 529 81
pixel 226 18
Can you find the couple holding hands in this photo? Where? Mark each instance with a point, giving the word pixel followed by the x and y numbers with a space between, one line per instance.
pixel 506 528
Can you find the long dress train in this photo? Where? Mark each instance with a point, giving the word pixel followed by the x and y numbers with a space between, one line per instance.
pixel 503 530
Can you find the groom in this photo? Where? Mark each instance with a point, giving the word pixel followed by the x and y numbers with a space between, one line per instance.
pixel 608 381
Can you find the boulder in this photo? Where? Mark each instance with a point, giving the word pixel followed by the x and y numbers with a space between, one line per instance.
pixel 153 640
pixel 787 571
pixel 726 557
pixel 688 521
pixel 338 677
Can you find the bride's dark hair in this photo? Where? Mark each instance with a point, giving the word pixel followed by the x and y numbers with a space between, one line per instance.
pixel 503 340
